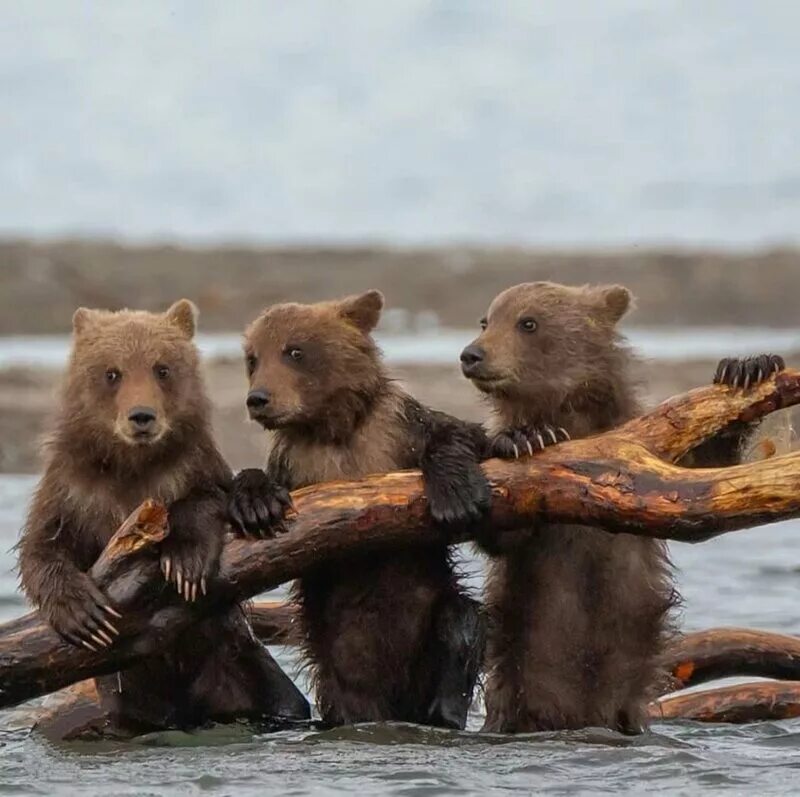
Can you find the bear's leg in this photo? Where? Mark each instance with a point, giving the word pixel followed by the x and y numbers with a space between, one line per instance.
pixel 239 679
pixel 460 631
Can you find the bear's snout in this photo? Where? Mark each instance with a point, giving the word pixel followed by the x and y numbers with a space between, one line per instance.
pixel 142 420
pixel 257 402
pixel 472 359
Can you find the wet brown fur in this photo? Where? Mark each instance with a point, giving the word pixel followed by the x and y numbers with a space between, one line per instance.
pixel 96 473
pixel 577 618
pixel 377 625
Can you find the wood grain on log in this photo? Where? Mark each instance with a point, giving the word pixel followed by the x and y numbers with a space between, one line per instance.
pixel 765 700
pixel 616 480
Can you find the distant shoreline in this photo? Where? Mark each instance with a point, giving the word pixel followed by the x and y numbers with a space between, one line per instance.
pixel 42 282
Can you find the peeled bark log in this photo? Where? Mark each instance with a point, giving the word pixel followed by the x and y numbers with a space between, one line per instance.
pixel 727 652
pixel 33 658
pixel 766 700
pixel 619 481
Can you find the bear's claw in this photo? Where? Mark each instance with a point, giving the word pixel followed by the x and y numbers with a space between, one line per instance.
pixel 190 552
pixel 748 371
pixel 514 442
pixel 81 616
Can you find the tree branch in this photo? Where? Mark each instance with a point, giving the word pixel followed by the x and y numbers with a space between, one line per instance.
pixel 615 481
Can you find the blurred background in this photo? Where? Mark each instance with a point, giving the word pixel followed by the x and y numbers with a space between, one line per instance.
pixel 250 152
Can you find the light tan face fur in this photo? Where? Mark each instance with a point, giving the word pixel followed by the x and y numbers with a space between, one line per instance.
pixel 133 373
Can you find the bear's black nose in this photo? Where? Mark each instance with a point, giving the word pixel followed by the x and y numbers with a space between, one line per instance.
pixel 471 356
pixel 142 418
pixel 257 400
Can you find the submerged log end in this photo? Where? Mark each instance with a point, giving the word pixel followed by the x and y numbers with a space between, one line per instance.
pixel 754 702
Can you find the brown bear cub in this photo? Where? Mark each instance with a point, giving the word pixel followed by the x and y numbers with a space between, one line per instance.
pixel 388 636
pixel 133 423
pixel 577 618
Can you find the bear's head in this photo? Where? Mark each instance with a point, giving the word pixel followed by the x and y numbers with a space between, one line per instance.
pixel 544 342
pixel 133 382
pixel 313 366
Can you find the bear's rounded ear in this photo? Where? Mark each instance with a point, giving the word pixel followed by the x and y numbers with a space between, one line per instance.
pixel 183 314
pixel 363 310
pixel 82 319
pixel 616 301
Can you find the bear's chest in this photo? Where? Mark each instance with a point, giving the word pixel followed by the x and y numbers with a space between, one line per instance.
pixel 100 507
pixel 311 463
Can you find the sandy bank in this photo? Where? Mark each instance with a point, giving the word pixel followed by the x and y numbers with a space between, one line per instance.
pixel 42 283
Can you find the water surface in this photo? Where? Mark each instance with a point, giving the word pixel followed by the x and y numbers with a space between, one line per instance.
pixel 747 578
pixel 441 346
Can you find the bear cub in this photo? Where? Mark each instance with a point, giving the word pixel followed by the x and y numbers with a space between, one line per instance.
pixel 388 635
pixel 578 617
pixel 134 423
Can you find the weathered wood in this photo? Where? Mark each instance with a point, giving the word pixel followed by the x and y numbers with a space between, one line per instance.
pixel 727 652
pixel 616 480
pixel 33 658
pixel 765 700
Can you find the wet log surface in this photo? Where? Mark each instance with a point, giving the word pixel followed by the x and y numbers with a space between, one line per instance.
pixel 728 652
pixel 623 480
pixel 753 702
pixel 33 658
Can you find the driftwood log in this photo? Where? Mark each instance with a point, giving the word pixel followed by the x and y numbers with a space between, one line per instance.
pixel 727 652
pixel 623 480
pixel 752 702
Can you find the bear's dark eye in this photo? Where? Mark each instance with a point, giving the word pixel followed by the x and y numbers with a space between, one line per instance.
pixel 293 353
pixel 483 323
pixel 527 324
pixel 252 361
pixel 113 376
pixel 161 372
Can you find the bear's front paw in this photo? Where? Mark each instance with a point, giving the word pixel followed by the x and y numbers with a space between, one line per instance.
pixel 519 441
pixel 747 371
pixel 189 564
pixel 257 504
pixel 459 499
pixel 81 615
pixel 190 553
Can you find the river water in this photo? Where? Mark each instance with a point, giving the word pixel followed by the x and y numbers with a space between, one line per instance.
pixel 441 346
pixel 748 578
